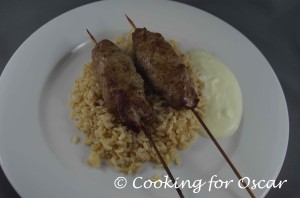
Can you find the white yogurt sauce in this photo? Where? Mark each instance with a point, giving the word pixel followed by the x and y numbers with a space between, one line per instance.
pixel 223 109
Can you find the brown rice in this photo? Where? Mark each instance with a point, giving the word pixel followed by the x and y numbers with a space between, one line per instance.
pixel 114 143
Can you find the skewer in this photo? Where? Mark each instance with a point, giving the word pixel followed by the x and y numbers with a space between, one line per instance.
pixel 211 137
pixel 223 153
pixel 92 37
pixel 131 22
pixel 148 135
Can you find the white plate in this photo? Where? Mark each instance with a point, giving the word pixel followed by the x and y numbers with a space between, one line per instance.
pixel 35 138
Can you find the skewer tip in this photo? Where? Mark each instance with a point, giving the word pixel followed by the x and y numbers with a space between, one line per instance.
pixel 91 37
pixel 131 22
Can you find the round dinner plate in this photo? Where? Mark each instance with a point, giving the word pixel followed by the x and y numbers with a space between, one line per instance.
pixel 37 154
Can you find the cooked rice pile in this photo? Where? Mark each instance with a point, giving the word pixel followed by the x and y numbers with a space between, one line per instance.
pixel 114 143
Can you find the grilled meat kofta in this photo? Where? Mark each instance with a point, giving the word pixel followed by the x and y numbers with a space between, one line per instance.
pixel 122 87
pixel 163 69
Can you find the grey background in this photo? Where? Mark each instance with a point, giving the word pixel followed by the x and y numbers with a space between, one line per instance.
pixel 272 25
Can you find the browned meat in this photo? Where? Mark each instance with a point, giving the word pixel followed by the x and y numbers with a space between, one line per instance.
pixel 122 87
pixel 163 69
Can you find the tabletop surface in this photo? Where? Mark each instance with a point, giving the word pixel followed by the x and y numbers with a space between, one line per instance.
pixel 272 25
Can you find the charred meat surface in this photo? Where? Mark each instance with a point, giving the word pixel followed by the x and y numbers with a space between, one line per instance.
pixel 122 87
pixel 163 68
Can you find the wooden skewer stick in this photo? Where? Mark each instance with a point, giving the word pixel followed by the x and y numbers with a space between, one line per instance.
pixel 223 152
pixel 211 136
pixel 148 135
pixel 92 37
pixel 131 22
